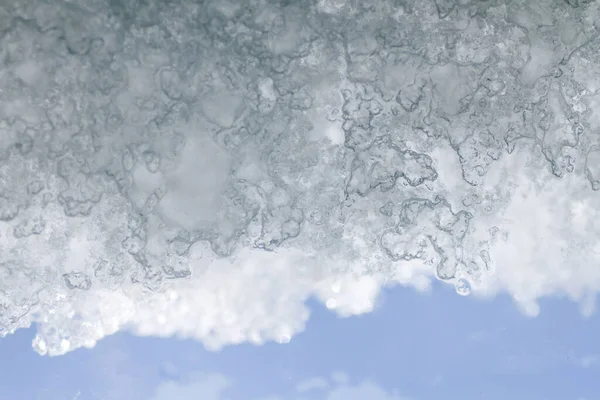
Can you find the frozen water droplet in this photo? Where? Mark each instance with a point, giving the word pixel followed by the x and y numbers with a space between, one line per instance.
pixel 446 270
pixel 463 287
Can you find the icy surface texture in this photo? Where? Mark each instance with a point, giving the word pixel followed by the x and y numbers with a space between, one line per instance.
pixel 202 168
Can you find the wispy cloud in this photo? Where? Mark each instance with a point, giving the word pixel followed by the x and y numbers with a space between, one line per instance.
pixel 214 387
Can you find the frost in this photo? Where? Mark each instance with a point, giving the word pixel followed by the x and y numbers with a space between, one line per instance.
pixel 8 209
pixel 411 96
pixel 77 280
pixel 203 171
pixel 592 170
pixel 30 226
pixel 383 163
pixel 35 187
pixel 476 154
pixel 429 231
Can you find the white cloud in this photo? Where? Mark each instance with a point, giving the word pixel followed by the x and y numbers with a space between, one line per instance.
pixel 210 387
pixel 590 360
pixel 365 390
pixel 214 387
pixel 312 384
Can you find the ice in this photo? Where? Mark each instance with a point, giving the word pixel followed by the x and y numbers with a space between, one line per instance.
pixel 203 170
pixel 195 186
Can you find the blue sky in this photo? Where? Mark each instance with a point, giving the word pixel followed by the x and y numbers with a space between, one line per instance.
pixel 426 346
